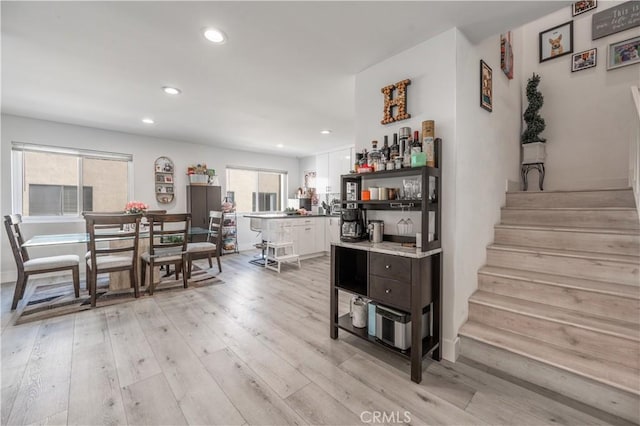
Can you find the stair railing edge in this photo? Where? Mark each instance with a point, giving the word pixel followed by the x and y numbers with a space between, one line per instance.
pixel 634 152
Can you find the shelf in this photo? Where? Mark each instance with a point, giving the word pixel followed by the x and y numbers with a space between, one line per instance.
pixel 409 171
pixel 429 344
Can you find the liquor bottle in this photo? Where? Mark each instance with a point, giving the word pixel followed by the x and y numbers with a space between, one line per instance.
pixel 386 151
pixel 416 146
pixel 395 148
pixel 375 158
pixel 428 133
pixel 406 159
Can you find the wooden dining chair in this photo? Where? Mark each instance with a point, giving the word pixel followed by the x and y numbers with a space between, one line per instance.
pixel 167 245
pixel 112 226
pixel 209 248
pixel 27 266
pixel 112 247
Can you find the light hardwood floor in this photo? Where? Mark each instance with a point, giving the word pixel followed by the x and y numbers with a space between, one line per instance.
pixel 253 350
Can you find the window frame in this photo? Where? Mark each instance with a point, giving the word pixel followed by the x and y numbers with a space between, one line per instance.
pixel 17 176
pixel 284 184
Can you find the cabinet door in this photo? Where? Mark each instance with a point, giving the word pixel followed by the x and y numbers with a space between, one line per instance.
pixel 339 164
pixel 304 236
pixel 322 173
pixel 332 232
pixel 319 235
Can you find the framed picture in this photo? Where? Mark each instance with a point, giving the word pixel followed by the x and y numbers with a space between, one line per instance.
pixel 506 55
pixel 556 41
pixel 623 53
pixel 486 86
pixel 168 178
pixel 160 178
pixel 583 6
pixel 169 189
pixel 583 60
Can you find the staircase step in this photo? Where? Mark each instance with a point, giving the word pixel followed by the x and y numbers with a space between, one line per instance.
pixel 609 339
pixel 608 300
pixel 623 218
pixel 610 387
pixel 590 239
pixel 616 268
pixel 618 197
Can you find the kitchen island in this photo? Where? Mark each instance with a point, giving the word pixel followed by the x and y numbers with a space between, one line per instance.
pixel 308 231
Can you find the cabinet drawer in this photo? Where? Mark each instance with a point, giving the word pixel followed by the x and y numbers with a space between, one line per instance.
pixel 390 266
pixel 390 292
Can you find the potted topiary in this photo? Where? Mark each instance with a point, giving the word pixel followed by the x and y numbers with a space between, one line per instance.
pixel 533 146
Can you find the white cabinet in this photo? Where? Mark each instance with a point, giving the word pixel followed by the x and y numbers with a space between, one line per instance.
pixel 309 235
pixel 339 164
pixel 332 232
pixel 329 167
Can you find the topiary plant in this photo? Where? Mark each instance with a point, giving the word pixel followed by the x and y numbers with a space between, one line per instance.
pixel 535 123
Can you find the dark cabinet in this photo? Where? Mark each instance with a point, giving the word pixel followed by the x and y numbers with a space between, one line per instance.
pixel 200 200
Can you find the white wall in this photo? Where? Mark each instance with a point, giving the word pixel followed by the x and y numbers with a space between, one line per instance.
pixel 487 155
pixel 589 114
pixel 144 150
pixel 431 96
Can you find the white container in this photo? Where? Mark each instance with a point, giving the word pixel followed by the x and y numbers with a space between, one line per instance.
pixel 419 239
pixel 374 192
pixel 533 153
pixel 359 312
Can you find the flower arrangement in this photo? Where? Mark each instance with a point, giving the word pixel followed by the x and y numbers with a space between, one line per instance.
pixel 200 169
pixel 134 207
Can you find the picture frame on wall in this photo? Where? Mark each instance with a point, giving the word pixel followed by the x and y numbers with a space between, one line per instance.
pixel 583 60
pixel 556 42
pixel 583 6
pixel 623 53
pixel 486 86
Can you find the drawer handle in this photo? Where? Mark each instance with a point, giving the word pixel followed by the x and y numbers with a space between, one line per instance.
pixel 388 291
pixel 387 266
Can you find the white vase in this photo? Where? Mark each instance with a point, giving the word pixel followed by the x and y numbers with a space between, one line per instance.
pixel 533 153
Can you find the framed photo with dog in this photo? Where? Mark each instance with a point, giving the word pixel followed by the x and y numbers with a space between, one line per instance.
pixel 556 41
pixel 486 86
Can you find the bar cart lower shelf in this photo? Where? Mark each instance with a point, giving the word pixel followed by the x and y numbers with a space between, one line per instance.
pixel 429 343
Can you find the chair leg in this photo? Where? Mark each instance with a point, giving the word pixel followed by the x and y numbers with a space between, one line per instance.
pixel 134 282
pixel 189 266
pixel 94 285
pixel 185 282
pixel 219 264
pixel 21 283
pixel 151 280
pixel 210 263
pixel 75 272
pixel 143 270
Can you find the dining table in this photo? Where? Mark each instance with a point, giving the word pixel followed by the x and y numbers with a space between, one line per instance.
pixel 117 280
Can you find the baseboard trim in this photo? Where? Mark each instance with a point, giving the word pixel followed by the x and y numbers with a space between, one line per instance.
pixel 451 349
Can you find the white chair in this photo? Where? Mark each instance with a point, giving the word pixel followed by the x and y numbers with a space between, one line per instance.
pixel 279 244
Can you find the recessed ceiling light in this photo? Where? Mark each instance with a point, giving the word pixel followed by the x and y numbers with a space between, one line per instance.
pixel 171 90
pixel 148 120
pixel 280 145
pixel 325 132
pixel 215 36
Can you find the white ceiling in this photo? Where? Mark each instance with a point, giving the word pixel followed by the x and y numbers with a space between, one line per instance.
pixel 286 72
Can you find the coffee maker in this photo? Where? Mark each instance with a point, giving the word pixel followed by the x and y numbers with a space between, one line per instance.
pixel 352 222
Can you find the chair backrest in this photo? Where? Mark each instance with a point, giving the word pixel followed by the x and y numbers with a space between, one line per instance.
pixel 104 229
pixel 12 225
pixel 255 224
pixel 168 233
pixel 215 229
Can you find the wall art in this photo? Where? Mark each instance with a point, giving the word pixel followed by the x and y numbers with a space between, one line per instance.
pixel 615 19
pixel 399 102
pixel 583 60
pixel 583 6
pixel 506 55
pixel 486 86
pixel 556 41
pixel 623 53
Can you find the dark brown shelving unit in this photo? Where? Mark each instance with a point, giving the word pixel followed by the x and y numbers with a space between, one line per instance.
pixel 410 283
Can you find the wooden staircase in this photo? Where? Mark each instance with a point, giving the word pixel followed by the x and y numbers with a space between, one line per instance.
pixel 558 303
